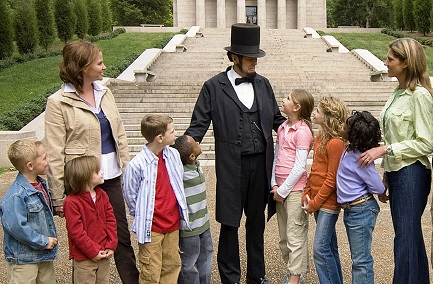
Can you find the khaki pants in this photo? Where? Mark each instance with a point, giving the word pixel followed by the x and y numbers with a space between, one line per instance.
pixel 159 260
pixel 293 230
pixel 90 272
pixel 32 273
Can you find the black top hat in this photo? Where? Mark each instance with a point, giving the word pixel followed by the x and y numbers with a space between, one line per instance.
pixel 245 40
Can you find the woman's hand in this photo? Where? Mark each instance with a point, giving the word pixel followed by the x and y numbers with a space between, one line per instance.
pixel 368 157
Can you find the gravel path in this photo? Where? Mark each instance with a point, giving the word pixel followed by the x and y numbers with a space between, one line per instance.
pixel 382 243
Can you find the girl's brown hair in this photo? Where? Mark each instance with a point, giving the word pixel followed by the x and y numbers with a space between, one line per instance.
pixel 306 101
pixel 335 113
pixel 79 173
pixel 77 56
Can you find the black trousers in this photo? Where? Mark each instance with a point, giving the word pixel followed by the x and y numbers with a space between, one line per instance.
pixel 124 255
pixel 254 192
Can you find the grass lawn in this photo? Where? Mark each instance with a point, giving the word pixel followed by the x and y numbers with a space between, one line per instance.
pixel 377 43
pixel 22 81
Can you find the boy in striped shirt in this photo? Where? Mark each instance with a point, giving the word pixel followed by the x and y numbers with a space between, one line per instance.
pixel 196 244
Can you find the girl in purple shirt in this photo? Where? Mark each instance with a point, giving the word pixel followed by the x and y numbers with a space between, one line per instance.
pixel 355 188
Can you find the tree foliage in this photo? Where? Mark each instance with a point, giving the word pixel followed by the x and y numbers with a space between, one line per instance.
pixel 422 10
pixel 362 13
pixel 107 19
pixel 6 31
pixel 408 15
pixel 398 14
pixel 82 25
pixel 95 21
pixel 46 23
pixel 65 19
pixel 135 12
pixel 26 28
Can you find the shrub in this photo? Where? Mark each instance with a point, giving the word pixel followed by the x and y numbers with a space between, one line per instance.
pixel 82 26
pixel 26 28
pixel 95 21
pixel 65 19
pixel 46 24
pixel 6 31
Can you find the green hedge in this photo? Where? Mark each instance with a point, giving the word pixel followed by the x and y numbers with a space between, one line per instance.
pixel 398 34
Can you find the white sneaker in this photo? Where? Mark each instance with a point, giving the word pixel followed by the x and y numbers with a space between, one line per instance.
pixel 286 279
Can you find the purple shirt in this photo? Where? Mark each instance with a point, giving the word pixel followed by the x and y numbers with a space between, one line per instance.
pixel 354 181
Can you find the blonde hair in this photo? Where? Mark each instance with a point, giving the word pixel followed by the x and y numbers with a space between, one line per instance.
pixel 154 124
pixel 306 101
pixel 79 173
pixel 23 151
pixel 411 51
pixel 335 113
pixel 77 57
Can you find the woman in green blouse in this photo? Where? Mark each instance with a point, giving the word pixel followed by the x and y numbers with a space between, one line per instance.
pixel 406 122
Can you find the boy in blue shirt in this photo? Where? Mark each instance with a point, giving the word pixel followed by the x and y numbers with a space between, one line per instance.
pixel 30 237
pixel 153 190
pixel 195 245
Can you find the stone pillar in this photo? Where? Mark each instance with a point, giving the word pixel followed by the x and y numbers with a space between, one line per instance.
pixel 302 14
pixel 221 13
pixel 281 14
pixel 261 13
pixel 240 8
pixel 175 21
pixel 200 13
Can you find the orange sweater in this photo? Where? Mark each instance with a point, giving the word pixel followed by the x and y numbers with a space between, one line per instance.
pixel 321 184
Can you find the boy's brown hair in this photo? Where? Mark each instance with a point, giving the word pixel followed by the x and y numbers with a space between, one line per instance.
pixel 23 151
pixel 153 125
pixel 79 172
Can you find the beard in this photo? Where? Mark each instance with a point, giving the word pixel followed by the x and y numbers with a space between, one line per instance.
pixel 239 66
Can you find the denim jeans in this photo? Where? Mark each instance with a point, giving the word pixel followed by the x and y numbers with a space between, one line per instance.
pixel 408 192
pixel 325 249
pixel 196 255
pixel 360 221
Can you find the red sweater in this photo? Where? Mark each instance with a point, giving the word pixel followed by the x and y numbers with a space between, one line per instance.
pixel 91 226
pixel 321 184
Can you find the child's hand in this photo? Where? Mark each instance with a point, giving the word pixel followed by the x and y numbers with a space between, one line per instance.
pixel 384 197
pixel 109 253
pixel 277 197
pixel 52 242
pixel 100 256
pixel 306 206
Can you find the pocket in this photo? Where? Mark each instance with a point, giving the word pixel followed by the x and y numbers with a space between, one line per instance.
pixel 36 216
pixel 72 153
pixel 402 117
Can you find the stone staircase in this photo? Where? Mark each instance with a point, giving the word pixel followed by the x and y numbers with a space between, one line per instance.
pixel 291 61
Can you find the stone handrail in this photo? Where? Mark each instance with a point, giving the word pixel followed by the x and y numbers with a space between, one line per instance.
pixel 334 44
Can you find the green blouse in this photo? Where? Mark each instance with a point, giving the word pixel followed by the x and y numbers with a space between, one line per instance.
pixel 407 125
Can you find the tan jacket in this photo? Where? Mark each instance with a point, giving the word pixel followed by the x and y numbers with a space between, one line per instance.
pixel 73 130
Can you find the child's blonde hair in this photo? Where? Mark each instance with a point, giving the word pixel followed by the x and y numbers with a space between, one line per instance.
pixel 306 101
pixel 79 173
pixel 154 124
pixel 335 114
pixel 23 151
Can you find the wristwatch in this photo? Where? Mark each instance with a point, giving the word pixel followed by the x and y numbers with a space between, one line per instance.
pixel 389 150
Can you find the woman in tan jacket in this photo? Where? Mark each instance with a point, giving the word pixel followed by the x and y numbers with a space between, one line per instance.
pixel 81 120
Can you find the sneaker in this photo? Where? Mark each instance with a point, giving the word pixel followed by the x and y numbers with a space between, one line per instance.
pixel 286 279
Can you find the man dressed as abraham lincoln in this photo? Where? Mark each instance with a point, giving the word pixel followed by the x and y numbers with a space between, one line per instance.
pixel 242 108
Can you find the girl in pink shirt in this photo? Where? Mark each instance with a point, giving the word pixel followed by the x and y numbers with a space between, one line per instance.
pixel 289 176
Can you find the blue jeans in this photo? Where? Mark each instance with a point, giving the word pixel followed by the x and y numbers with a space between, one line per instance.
pixel 325 249
pixel 196 256
pixel 360 221
pixel 408 192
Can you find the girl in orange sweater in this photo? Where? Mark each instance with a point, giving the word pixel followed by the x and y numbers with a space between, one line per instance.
pixel 320 195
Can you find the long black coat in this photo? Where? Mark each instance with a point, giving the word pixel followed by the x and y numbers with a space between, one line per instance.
pixel 217 103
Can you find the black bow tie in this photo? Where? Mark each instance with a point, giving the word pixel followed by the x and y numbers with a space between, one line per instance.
pixel 243 80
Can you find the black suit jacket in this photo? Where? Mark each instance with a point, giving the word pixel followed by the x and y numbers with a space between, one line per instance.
pixel 218 103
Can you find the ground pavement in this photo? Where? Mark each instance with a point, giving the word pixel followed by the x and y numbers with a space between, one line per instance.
pixel 275 269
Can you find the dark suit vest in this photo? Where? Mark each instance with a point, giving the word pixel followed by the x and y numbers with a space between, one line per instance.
pixel 252 140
